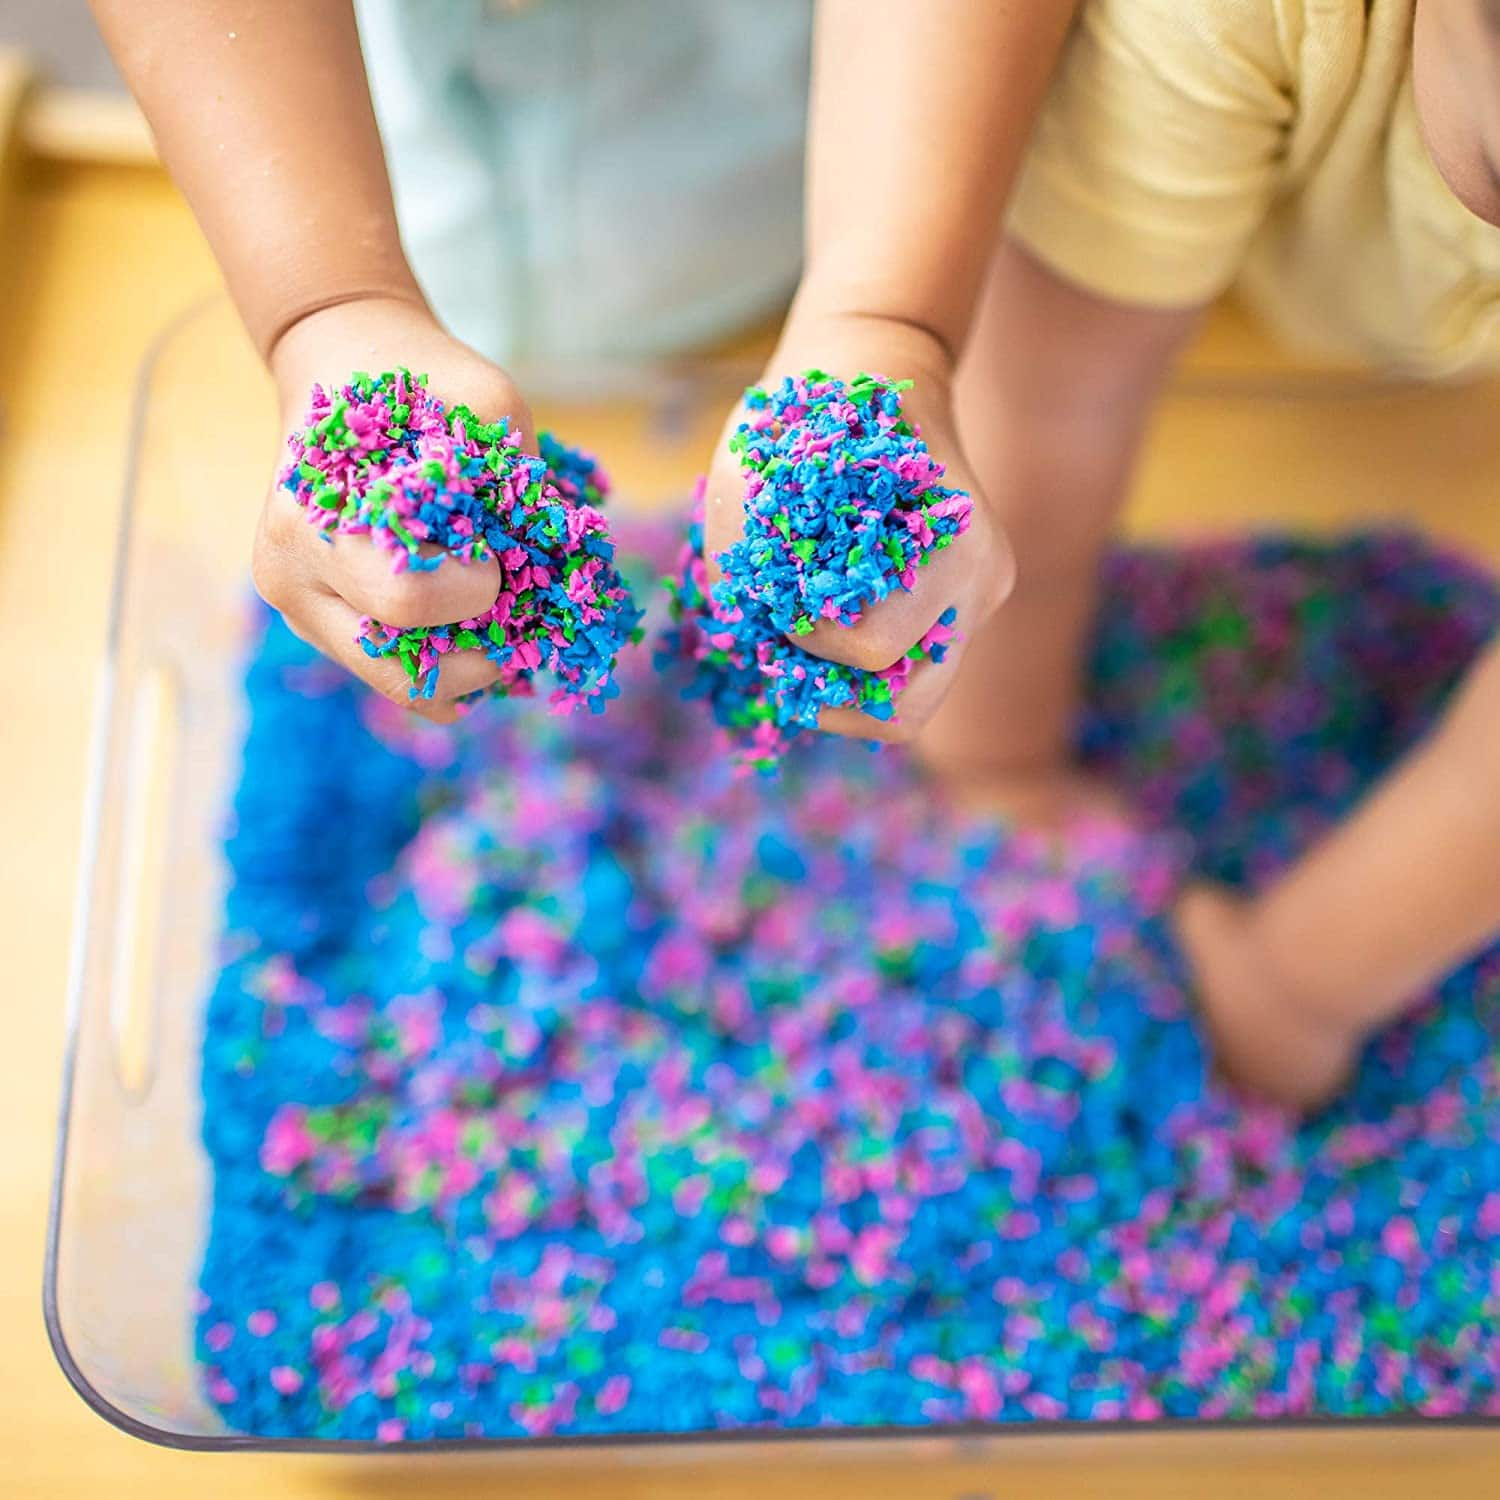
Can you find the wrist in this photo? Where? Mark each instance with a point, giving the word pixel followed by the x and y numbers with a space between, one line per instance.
pixel 854 282
pixel 341 312
pixel 1309 978
pixel 826 332
pixel 345 330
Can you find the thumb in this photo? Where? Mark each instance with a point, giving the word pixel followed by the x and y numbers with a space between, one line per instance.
pixel 723 502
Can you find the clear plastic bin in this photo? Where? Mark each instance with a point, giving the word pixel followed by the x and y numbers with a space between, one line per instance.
pixel 131 1191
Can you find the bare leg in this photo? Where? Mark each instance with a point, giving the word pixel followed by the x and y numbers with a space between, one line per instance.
pixel 1295 980
pixel 1052 398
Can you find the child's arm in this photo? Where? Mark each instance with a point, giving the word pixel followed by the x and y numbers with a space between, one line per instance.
pixel 1294 980
pixel 262 114
pixel 919 117
pixel 918 120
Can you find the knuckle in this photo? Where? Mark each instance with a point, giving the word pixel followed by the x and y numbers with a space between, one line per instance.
pixel 500 393
pixel 474 586
pixel 492 394
pixel 281 518
pixel 884 731
pixel 271 577
pixel 400 599
pixel 875 654
pixel 432 711
pixel 393 689
pixel 863 727
pixel 865 649
pixel 274 568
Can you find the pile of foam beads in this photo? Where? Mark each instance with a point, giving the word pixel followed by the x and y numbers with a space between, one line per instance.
pixel 384 458
pixel 843 504
pixel 559 1081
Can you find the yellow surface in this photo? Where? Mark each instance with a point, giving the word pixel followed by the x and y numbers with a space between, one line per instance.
pixel 96 261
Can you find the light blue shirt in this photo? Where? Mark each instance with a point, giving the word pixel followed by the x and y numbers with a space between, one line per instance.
pixel 594 178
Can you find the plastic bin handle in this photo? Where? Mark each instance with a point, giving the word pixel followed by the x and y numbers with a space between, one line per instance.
pixel 140 908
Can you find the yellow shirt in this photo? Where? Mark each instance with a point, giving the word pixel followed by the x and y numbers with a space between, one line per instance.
pixel 1188 144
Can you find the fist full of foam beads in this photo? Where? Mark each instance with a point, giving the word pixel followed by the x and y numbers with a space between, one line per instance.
pixel 843 504
pixel 384 458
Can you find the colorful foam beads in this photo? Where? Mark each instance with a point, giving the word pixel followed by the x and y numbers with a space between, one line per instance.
pixel 843 505
pixel 559 1081
pixel 384 458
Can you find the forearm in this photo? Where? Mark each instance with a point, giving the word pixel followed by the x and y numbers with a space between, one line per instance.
pixel 1053 399
pixel 262 114
pixel 1409 886
pixel 918 121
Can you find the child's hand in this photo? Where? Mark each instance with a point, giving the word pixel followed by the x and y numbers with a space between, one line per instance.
pixel 1294 982
pixel 973 576
pixel 324 583
pixel 1266 1039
